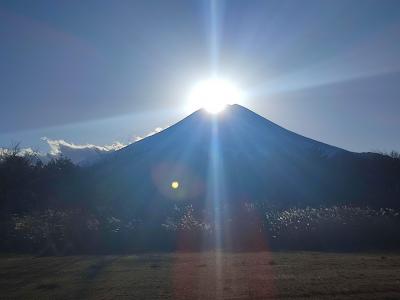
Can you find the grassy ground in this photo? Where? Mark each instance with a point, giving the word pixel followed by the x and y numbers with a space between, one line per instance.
pixel 282 275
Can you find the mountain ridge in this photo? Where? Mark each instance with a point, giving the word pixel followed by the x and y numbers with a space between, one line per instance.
pixel 235 113
pixel 251 159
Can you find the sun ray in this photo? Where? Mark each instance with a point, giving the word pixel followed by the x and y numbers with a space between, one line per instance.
pixel 214 95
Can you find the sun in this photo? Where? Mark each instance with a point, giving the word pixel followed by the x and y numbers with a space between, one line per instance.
pixel 214 95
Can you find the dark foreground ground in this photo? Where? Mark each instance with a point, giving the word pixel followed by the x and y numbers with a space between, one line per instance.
pixel 282 275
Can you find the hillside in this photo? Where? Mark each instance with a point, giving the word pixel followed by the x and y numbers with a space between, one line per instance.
pixel 246 158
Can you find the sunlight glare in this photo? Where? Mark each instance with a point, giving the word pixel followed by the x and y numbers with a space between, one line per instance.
pixel 214 95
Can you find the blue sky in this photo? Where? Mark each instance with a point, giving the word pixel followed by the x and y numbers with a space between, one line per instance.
pixel 100 71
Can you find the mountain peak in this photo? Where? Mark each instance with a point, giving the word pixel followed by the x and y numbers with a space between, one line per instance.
pixel 230 108
pixel 231 113
pixel 258 158
pixel 240 131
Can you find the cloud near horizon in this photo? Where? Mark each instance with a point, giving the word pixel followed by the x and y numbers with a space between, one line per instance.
pixel 80 153
pixel 77 153
pixel 57 146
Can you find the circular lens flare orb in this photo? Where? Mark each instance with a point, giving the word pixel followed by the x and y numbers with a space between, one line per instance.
pixel 175 184
pixel 214 95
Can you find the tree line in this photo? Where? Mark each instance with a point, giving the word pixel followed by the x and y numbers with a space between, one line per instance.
pixel 58 208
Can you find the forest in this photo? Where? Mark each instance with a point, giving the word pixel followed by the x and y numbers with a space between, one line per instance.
pixel 55 208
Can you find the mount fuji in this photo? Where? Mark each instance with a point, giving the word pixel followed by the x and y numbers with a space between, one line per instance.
pixel 244 158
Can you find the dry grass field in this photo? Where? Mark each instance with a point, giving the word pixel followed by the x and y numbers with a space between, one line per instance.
pixel 263 275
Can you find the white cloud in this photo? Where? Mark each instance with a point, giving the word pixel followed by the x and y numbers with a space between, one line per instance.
pixel 86 153
pixel 56 146
pixel 80 153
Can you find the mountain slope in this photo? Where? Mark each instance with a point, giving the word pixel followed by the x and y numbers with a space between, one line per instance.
pixel 235 125
pixel 244 158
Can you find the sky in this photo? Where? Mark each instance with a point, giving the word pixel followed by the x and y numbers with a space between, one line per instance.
pixel 104 73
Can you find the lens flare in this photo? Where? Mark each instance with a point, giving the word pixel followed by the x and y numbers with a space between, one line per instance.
pixel 214 95
pixel 175 184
